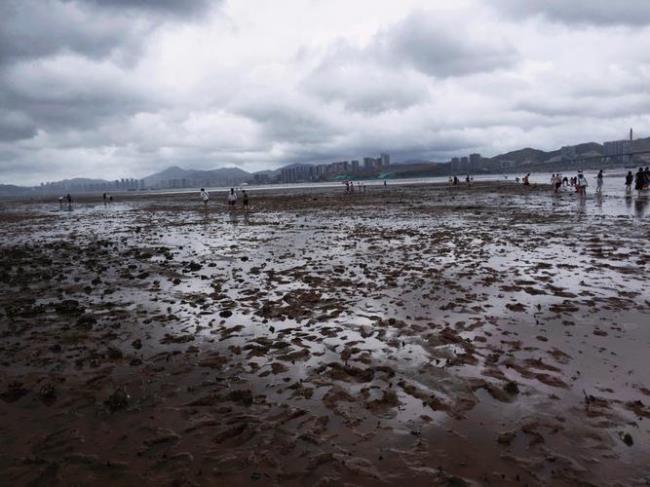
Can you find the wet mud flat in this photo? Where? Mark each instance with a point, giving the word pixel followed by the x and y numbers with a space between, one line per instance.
pixel 493 335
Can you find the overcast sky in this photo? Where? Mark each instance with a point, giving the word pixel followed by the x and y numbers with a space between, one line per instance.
pixel 123 88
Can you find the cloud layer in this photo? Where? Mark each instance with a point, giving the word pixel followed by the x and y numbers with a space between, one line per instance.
pixel 123 88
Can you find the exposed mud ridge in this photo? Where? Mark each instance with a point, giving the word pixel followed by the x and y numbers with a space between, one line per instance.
pixel 492 335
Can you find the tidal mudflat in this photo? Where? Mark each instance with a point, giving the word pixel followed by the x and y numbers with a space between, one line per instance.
pixel 493 335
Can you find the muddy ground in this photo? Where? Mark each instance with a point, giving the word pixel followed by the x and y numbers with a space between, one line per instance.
pixel 493 335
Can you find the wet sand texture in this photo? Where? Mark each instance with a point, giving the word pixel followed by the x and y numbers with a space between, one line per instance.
pixel 494 335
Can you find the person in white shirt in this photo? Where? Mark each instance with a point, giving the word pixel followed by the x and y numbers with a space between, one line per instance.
pixel 205 197
pixel 232 198
pixel 582 184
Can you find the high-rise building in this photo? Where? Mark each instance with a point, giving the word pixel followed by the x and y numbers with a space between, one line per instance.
pixel 354 164
pixel 369 162
pixel 464 164
pixel 475 161
pixel 455 165
pixel 618 149
pixel 384 157
pixel 296 174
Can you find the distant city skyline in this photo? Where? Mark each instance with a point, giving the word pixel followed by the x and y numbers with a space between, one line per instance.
pixel 120 89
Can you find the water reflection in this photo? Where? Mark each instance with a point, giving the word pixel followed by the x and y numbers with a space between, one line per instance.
pixel 599 200
pixel 640 206
pixel 582 204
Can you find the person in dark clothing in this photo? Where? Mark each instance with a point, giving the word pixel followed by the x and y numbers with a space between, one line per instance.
pixel 628 181
pixel 639 181
pixel 245 199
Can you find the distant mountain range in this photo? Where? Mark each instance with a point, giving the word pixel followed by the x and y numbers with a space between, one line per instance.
pixel 177 177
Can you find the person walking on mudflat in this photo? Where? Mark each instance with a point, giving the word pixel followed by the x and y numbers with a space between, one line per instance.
pixel 205 197
pixel 581 184
pixel 639 180
pixel 232 199
pixel 599 182
pixel 628 181
pixel 245 199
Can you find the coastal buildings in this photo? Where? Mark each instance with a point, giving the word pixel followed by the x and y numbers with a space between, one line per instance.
pixel 366 167
pixel 475 161
pixel 384 159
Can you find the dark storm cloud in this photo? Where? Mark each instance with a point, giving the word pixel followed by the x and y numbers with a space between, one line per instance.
pixel 64 63
pixel 66 93
pixel 15 126
pixel 612 107
pixel 443 47
pixel 173 7
pixel 93 28
pixel 283 118
pixel 375 78
pixel 31 29
pixel 597 12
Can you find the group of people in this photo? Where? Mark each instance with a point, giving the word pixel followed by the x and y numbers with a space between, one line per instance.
pixel 65 199
pixel 641 180
pixel 349 186
pixel 454 181
pixel 231 199
pixel 578 183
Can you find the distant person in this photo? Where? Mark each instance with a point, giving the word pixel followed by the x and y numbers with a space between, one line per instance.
pixel 599 182
pixel 245 199
pixel 553 178
pixel 581 184
pixel 385 183
pixel 451 181
pixel 468 180
pixel 647 178
pixel 232 198
pixel 205 197
pixel 68 198
pixel 557 183
pixel 105 198
pixel 628 182
pixel 526 180
pixel 639 180
pixel 456 181
pixel 565 181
